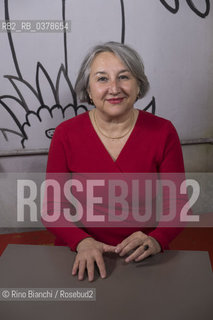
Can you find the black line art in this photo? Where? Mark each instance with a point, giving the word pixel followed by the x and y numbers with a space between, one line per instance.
pixel 36 92
pixel 151 105
pixel 192 6
pixel 7 18
pixel 200 14
pixel 168 7
pixel 123 22
pixel 22 127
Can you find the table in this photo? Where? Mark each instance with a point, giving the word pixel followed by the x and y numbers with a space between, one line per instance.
pixel 171 285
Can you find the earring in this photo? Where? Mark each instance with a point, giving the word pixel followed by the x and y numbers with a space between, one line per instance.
pixel 90 100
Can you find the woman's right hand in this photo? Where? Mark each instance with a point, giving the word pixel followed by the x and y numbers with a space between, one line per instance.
pixel 89 252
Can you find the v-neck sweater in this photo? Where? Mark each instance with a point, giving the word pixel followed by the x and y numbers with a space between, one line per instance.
pixel 152 147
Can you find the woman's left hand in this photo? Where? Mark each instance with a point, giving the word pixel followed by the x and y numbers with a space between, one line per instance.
pixel 142 244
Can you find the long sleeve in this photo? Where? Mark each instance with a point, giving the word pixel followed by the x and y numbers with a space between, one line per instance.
pixel 171 166
pixel 66 232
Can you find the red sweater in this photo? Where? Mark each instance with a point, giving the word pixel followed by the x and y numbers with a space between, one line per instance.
pixel 153 146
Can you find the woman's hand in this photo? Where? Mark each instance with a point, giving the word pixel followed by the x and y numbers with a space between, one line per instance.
pixel 89 252
pixel 142 245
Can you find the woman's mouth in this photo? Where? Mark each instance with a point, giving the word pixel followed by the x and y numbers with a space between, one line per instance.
pixel 115 100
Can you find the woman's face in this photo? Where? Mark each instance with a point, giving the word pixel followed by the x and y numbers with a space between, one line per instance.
pixel 112 87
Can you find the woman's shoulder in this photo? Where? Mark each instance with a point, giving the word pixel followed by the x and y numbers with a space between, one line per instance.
pixel 76 123
pixel 153 122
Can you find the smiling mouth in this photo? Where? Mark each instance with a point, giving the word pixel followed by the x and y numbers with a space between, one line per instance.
pixel 115 100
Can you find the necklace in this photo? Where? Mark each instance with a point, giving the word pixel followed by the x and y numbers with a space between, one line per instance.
pixel 113 138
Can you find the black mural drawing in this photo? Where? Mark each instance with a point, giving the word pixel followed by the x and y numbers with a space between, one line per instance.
pixel 36 92
pixel 22 128
pixel 190 4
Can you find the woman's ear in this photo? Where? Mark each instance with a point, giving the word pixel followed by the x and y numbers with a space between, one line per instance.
pixel 88 92
pixel 89 96
pixel 138 94
pixel 139 91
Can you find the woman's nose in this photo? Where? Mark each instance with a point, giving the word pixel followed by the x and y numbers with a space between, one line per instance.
pixel 114 87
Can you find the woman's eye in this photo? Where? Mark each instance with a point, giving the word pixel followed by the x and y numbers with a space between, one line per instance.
pixel 123 77
pixel 102 79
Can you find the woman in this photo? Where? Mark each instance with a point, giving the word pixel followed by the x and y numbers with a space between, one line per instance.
pixel 113 137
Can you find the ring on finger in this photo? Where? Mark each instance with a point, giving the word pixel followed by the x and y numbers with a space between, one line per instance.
pixel 146 247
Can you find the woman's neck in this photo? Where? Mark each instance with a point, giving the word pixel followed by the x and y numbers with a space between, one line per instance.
pixel 114 127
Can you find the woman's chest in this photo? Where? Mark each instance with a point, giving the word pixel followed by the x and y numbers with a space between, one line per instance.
pixel 114 147
pixel 95 156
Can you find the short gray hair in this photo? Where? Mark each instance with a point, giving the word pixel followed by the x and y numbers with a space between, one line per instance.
pixel 127 55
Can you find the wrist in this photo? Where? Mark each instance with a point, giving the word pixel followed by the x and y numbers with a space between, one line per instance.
pixel 84 242
pixel 157 243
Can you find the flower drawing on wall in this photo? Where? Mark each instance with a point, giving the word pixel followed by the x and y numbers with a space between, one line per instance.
pixel 43 118
pixel 28 123
pixel 30 113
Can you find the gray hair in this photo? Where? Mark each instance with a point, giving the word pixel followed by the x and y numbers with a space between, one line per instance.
pixel 127 55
